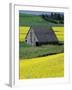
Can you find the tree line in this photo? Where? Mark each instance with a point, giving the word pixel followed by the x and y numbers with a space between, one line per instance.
pixel 56 18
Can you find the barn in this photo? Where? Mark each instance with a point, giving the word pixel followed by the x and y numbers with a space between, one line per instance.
pixel 37 36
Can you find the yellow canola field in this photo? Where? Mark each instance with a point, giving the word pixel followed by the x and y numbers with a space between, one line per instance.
pixel 59 31
pixel 23 30
pixel 42 67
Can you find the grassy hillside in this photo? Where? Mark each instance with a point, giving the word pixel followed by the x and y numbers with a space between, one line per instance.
pixel 31 20
pixel 45 67
pixel 44 50
pixel 34 20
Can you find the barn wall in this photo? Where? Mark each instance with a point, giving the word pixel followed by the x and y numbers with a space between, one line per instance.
pixel 28 38
pixel 31 38
pixel 34 38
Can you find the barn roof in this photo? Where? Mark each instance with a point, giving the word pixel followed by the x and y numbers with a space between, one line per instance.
pixel 44 34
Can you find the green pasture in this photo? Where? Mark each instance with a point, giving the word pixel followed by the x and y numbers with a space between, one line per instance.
pixel 34 20
pixel 27 51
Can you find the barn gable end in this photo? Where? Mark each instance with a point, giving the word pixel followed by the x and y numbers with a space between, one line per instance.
pixel 31 38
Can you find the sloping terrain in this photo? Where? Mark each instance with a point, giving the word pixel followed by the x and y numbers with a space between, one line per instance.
pixel 44 67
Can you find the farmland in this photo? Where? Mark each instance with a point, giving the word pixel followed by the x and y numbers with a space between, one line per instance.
pixel 34 20
pixel 30 20
pixel 27 51
pixel 59 31
pixel 44 61
pixel 44 50
pixel 22 33
pixel 44 67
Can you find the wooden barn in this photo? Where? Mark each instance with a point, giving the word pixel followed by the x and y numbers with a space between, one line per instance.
pixel 40 35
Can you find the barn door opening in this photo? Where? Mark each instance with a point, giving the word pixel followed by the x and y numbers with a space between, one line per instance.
pixel 37 44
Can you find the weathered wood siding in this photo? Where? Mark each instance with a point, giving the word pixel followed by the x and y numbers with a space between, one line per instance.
pixel 31 38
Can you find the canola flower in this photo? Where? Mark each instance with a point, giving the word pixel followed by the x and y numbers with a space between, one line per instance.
pixel 23 30
pixel 59 31
pixel 42 67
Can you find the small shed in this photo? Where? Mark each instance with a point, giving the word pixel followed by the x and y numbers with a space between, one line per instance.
pixel 40 35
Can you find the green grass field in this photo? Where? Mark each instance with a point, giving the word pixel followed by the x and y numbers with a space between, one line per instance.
pixel 32 20
pixel 27 52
